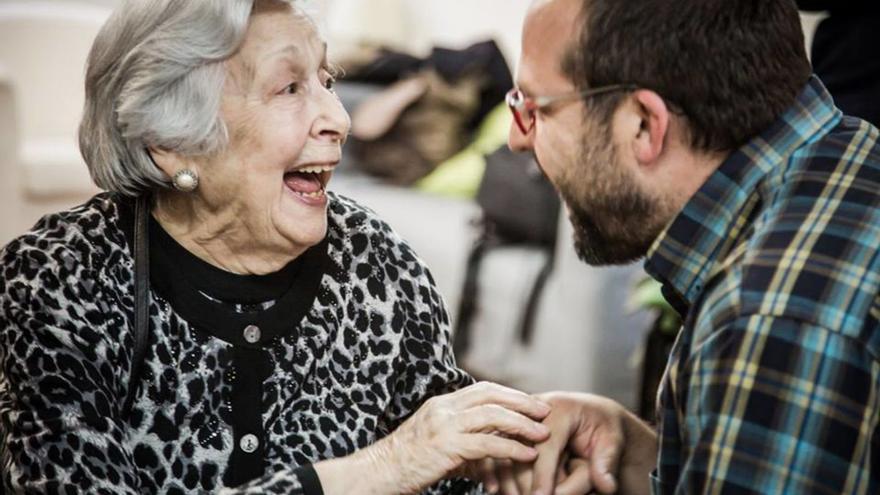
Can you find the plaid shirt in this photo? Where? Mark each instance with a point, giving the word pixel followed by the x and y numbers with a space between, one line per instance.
pixel 773 385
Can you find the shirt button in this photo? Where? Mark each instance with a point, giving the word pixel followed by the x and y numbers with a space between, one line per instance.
pixel 249 443
pixel 252 334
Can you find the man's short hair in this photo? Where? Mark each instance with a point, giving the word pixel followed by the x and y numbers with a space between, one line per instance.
pixel 731 66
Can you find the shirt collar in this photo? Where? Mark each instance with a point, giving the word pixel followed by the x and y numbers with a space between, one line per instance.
pixel 683 255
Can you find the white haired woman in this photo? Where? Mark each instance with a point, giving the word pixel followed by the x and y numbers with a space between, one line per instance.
pixel 217 319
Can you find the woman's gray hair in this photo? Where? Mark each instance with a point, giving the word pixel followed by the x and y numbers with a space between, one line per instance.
pixel 154 79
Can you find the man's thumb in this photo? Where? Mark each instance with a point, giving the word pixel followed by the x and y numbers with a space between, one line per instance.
pixel 605 460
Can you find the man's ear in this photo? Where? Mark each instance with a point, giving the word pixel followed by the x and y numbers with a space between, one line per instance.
pixel 648 143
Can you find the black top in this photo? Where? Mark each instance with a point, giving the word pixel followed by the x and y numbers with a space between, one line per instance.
pixel 844 54
pixel 223 303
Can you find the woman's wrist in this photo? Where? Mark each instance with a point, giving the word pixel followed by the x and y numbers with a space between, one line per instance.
pixel 369 471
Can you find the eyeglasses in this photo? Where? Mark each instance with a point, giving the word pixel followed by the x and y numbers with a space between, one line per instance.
pixel 524 108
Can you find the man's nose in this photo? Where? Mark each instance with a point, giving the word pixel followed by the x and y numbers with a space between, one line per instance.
pixel 517 141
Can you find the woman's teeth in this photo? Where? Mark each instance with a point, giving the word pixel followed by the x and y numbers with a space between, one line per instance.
pixel 315 169
pixel 316 194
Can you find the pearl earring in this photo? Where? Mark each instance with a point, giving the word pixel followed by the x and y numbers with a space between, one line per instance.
pixel 185 180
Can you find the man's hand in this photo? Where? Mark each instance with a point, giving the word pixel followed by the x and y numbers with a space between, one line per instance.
pixel 617 450
pixel 507 478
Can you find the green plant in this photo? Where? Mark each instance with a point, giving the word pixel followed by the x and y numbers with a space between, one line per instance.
pixel 647 294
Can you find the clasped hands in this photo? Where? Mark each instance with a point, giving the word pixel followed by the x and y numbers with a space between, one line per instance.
pixel 594 445
pixel 515 443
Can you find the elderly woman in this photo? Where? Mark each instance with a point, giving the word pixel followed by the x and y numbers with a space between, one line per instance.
pixel 217 319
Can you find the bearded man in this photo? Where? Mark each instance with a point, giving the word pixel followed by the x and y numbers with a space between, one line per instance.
pixel 693 133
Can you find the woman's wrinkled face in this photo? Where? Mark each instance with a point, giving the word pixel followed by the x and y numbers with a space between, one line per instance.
pixel 286 127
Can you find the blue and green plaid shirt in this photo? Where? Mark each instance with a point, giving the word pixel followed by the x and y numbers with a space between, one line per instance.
pixel 773 385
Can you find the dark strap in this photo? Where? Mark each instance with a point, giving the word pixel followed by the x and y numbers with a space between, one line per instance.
pixel 467 306
pixel 141 298
pixel 527 328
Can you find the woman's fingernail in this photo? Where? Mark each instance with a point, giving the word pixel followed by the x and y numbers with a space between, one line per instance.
pixel 545 408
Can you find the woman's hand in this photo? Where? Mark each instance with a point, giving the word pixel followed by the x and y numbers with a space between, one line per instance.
pixel 484 420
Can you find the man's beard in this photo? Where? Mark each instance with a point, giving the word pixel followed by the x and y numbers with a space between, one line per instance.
pixel 614 220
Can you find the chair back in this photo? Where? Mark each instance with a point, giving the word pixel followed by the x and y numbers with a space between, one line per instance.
pixel 43 51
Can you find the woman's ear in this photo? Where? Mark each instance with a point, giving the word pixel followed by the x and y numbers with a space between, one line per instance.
pixel 654 126
pixel 169 161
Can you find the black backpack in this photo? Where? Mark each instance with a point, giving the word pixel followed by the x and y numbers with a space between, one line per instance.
pixel 519 208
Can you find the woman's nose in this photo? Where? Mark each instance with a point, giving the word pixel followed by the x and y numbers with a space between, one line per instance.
pixel 333 122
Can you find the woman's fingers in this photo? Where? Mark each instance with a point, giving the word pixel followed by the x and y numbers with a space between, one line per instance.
pixel 506 478
pixel 489 476
pixel 491 393
pixel 476 446
pixel 481 421
pixel 523 475
pixel 493 418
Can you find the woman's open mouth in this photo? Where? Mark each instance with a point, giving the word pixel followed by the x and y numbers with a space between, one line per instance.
pixel 310 182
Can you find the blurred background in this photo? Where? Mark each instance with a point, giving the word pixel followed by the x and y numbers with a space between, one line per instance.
pixel 424 83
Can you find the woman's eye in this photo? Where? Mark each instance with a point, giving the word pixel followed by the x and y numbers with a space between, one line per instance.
pixel 291 89
pixel 329 84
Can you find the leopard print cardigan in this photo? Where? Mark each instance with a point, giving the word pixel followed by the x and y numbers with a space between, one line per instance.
pixel 235 401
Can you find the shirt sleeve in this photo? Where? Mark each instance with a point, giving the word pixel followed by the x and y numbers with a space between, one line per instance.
pixel 60 429
pixel 776 405
pixel 427 368
pixel 300 481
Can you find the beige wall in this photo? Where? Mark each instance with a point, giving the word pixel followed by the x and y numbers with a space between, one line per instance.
pixel 421 23
pixel 416 25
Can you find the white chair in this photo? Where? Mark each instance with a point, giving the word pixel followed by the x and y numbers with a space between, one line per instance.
pixel 584 333
pixel 585 336
pixel 43 49
pixel 9 185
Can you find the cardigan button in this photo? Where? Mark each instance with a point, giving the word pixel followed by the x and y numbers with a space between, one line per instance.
pixel 249 443
pixel 252 334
